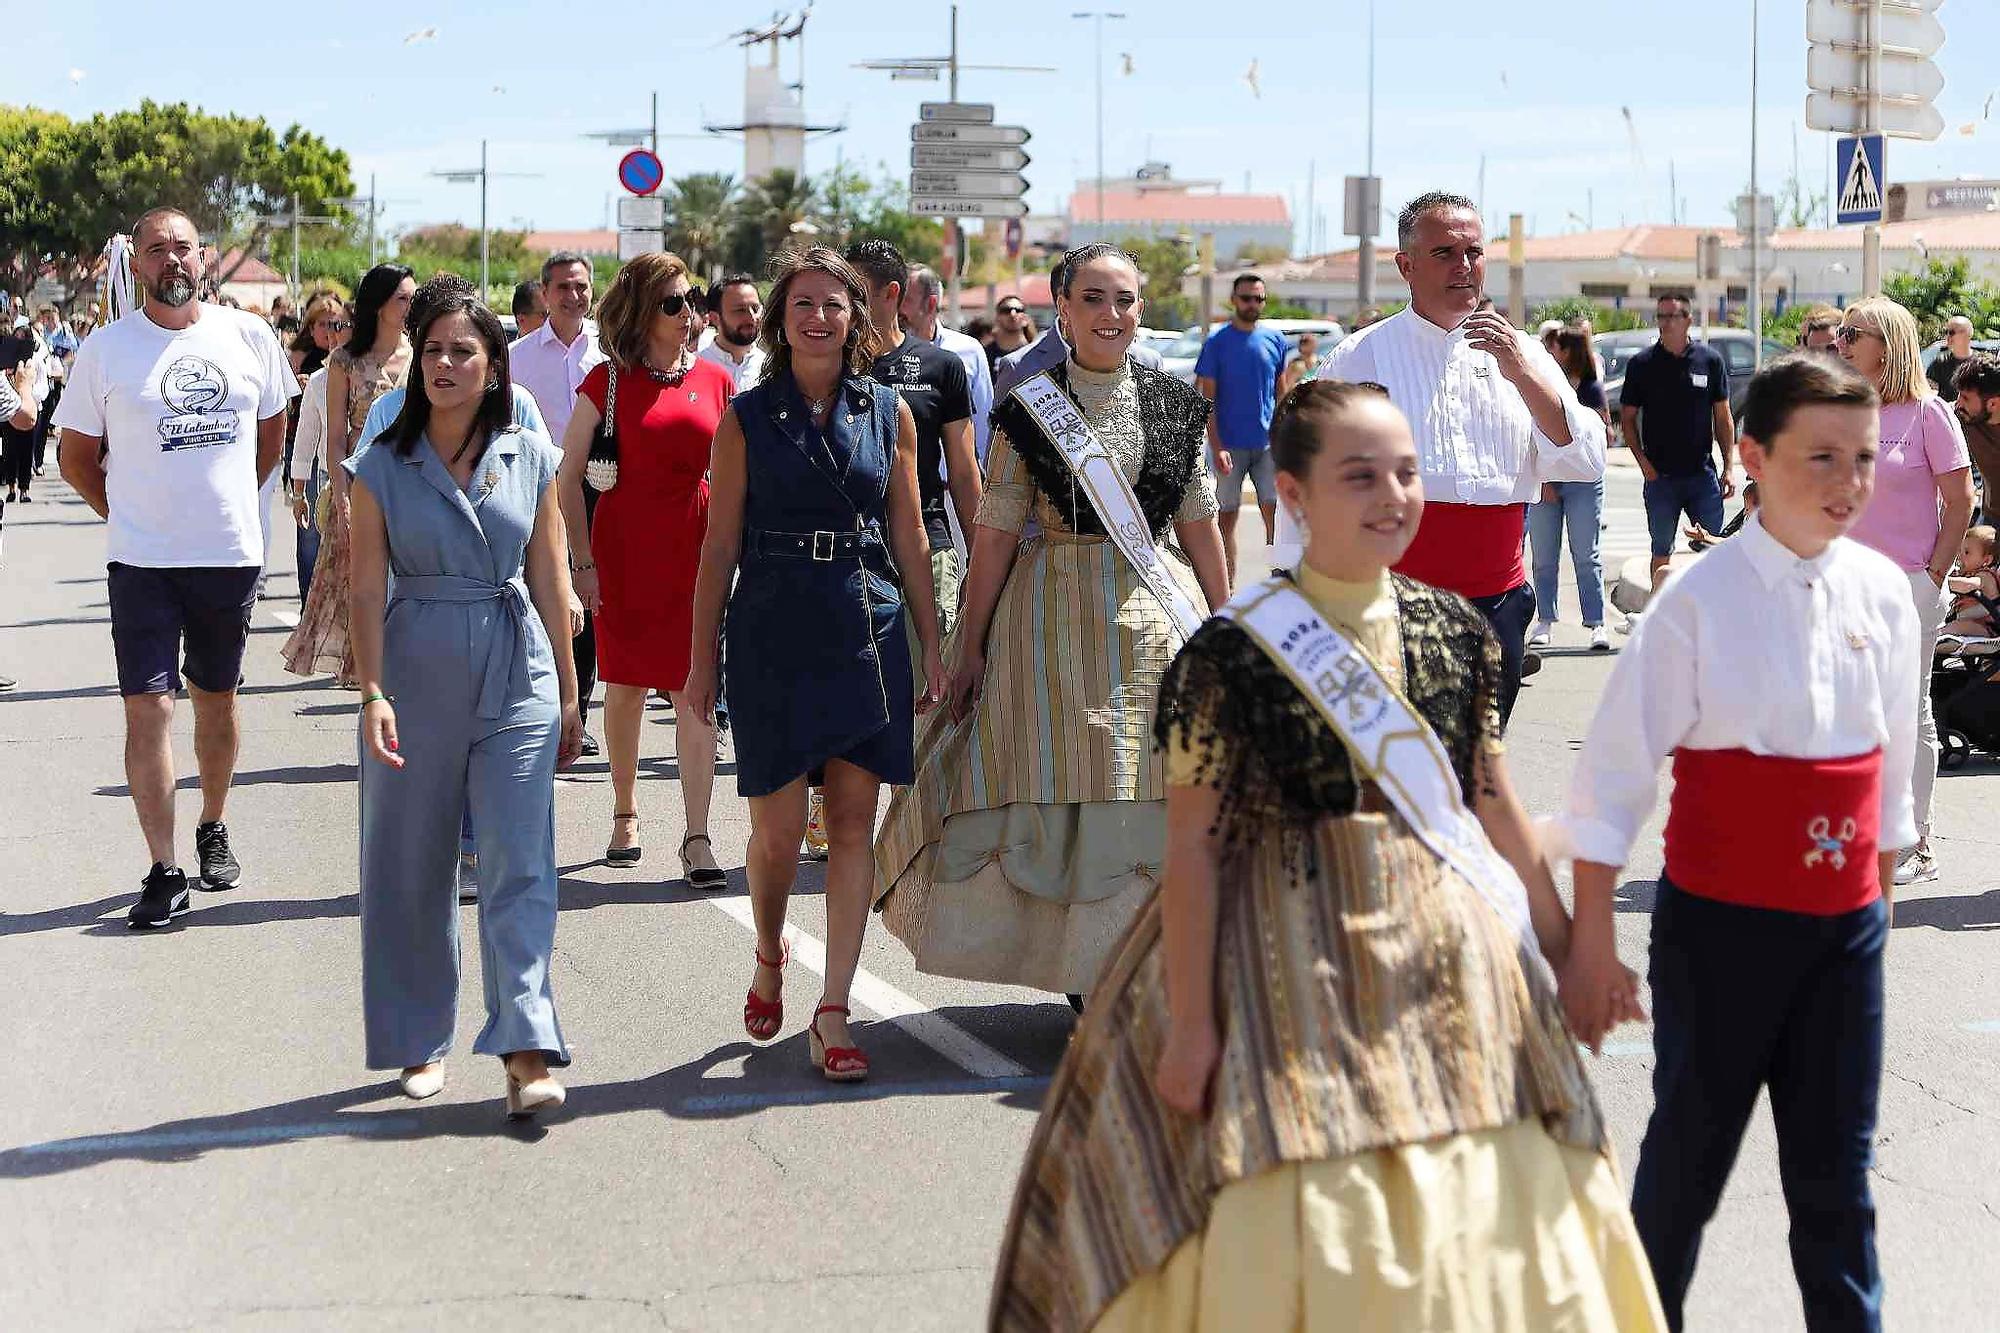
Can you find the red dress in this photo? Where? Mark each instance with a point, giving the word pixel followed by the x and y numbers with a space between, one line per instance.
pixel 646 534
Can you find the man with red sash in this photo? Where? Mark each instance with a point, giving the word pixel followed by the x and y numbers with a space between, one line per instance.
pixel 1780 672
pixel 1493 417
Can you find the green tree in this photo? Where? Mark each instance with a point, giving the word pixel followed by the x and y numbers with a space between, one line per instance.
pixel 771 217
pixel 1162 265
pixel 701 214
pixel 1942 288
pixel 67 186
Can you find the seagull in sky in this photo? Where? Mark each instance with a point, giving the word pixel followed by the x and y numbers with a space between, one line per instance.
pixel 76 76
pixel 421 35
pixel 1250 77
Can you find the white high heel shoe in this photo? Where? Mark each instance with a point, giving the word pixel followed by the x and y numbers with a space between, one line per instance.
pixel 421 1081
pixel 525 1100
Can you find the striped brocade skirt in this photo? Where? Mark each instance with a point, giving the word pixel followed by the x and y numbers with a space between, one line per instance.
pixel 1368 1001
pixel 1036 826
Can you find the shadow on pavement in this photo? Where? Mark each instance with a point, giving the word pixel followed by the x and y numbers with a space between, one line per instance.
pixel 303 773
pixel 1636 895
pixel 56 620
pixel 774 1077
pixel 642 885
pixel 1980 913
pixel 111 691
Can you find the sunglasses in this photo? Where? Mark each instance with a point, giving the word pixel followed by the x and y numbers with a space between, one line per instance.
pixel 1849 334
pixel 335 325
pixel 1013 310
pixel 679 302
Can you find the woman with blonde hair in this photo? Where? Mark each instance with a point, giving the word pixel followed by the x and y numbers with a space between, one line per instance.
pixel 643 422
pixel 815 512
pixel 1920 511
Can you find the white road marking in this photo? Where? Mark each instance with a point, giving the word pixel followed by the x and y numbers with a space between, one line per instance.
pixel 1983 1025
pixel 289 619
pixel 942 1035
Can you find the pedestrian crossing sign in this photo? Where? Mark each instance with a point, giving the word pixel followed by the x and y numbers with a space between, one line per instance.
pixel 1862 181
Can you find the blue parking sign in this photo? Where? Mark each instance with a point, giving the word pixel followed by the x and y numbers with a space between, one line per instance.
pixel 1863 179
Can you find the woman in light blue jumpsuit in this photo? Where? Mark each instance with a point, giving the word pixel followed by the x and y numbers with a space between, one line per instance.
pixel 469 702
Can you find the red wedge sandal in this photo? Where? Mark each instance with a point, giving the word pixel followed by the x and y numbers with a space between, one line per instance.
pixel 761 1017
pixel 840 1064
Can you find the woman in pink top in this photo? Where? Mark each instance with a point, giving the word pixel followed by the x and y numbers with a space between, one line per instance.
pixel 1922 505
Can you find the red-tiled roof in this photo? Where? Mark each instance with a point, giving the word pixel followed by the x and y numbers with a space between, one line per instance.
pixel 583 242
pixel 1034 292
pixel 1180 206
pixel 253 269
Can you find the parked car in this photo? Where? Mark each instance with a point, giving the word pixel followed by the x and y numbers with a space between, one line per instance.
pixel 1178 357
pixel 1738 350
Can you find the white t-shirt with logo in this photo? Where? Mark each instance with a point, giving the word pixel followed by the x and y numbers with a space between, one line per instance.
pixel 178 410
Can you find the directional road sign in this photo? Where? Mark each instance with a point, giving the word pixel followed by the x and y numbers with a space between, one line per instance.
pixel 992 135
pixel 939 206
pixel 959 113
pixel 967 157
pixel 1844 72
pixel 1862 182
pixel 970 184
pixel 640 171
pixel 1844 115
pixel 1908 26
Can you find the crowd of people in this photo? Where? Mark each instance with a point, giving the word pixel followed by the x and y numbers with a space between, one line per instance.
pixel 1262 835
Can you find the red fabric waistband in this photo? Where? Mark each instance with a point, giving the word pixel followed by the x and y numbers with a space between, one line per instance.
pixel 1795 835
pixel 1472 550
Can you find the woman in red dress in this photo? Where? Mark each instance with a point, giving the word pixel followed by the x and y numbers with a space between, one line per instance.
pixel 637 575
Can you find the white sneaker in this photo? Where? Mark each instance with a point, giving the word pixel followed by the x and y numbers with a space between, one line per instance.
pixel 1917 866
pixel 1631 624
pixel 1538 637
pixel 1600 639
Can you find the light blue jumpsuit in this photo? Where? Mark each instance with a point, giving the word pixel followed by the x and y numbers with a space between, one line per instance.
pixel 466 659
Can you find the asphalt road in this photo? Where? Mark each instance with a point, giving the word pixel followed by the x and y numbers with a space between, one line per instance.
pixel 188 1137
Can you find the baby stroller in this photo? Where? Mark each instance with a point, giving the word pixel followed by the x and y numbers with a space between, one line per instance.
pixel 1965 695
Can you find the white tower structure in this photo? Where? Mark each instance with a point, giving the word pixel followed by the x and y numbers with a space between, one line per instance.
pixel 775 126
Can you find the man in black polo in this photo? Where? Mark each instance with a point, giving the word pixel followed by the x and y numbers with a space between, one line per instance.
pixel 933 382
pixel 1675 412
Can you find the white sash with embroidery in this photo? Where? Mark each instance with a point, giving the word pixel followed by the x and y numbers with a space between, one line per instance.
pixel 1390 742
pixel 1103 481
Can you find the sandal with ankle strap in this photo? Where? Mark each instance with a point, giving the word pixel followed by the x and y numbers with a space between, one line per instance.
pixel 701 877
pixel 623 856
pixel 763 1018
pixel 840 1064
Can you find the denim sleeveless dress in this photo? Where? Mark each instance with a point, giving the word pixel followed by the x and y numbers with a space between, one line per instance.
pixel 815 660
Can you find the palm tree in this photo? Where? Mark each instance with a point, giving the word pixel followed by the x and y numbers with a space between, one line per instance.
pixel 701 211
pixel 777 205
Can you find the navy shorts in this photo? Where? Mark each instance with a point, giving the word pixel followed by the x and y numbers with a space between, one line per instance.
pixel 1698 496
pixel 158 613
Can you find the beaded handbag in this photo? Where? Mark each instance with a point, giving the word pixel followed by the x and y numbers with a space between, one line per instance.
pixel 601 468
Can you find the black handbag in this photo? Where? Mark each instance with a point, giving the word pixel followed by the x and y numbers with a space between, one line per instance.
pixel 601 468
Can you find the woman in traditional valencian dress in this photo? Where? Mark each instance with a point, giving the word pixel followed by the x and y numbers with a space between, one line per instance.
pixel 1033 832
pixel 1324 1082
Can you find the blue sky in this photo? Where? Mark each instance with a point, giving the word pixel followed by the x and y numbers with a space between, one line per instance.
pixel 1526 86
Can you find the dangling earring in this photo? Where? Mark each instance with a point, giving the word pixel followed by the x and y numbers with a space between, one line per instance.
pixel 493 386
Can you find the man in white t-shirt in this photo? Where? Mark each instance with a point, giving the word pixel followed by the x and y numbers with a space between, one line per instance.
pixel 734 312
pixel 172 419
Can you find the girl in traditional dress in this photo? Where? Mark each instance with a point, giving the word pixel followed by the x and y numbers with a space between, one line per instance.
pixel 1033 832
pixel 1324 1083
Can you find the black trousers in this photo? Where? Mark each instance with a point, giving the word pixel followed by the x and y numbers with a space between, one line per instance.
pixel 1509 613
pixel 17 458
pixel 45 426
pixel 1746 999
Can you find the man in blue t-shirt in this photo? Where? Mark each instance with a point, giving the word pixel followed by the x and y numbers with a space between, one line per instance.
pixel 1238 371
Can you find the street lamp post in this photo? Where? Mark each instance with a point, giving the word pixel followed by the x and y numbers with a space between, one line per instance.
pixel 1364 285
pixel 467 175
pixel 1097 17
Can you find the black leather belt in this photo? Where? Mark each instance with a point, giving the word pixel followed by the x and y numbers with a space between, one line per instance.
pixel 820 546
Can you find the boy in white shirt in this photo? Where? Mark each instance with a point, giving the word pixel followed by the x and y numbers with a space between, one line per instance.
pixel 1780 672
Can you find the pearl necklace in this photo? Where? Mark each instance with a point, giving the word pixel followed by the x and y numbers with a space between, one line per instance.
pixel 682 365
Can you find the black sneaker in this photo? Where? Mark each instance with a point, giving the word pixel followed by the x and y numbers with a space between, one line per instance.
pixel 589 745
pixel 162 897
pixel 219 870
pixel 1531 662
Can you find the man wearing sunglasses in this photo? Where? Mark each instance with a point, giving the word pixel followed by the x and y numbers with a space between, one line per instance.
pixel 1010 325
pixel 1238 371
pixel 1674 412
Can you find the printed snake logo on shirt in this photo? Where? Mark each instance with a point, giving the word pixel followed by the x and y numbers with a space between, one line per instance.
pixel 196 392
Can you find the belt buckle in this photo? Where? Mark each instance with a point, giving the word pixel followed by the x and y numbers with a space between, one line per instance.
pixel 827 537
